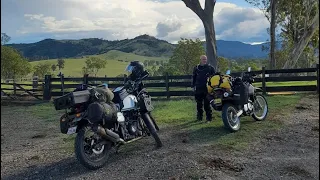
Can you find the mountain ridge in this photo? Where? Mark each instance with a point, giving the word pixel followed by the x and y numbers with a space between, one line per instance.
pixel 143 45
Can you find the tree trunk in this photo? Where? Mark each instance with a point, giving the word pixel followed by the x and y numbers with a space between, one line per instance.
pixel 211 49
pixel 206 16
pixel 272 34
pixel 301 45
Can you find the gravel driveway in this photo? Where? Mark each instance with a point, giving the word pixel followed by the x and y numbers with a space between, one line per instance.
pixel 34 149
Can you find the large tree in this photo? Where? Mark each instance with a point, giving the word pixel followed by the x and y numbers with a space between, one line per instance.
pixel 42 69
pixel 5 38
pixel 93 65
pixel 60 63
pixel 206 16
pixel 186 55
pixel 13 64
pixel 269 9
pixel 300 25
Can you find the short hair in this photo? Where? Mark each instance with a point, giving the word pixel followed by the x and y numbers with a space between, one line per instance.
pixel 202 56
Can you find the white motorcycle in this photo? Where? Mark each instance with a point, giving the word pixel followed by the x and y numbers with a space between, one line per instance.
pixel 125 120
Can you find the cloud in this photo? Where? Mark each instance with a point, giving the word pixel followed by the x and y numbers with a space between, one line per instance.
pixel 114 19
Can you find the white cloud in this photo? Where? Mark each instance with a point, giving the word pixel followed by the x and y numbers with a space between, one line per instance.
pixel 115 19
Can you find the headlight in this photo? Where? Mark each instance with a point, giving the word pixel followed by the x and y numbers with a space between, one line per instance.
pixel 225 94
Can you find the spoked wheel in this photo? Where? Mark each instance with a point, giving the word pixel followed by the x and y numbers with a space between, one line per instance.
pixel 229 117
pixel 91 150
pixel 260 106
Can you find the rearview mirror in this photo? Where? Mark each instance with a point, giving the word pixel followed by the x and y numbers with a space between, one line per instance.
pixel 249 69
pixel 228 72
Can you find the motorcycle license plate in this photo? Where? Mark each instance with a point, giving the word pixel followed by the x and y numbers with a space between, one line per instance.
pixel 72 130
pixel 218 101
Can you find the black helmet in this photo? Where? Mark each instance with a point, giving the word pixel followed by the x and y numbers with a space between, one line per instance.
pixel 135 68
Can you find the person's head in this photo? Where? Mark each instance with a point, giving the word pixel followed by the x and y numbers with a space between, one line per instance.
pixel 135 69
pixel 203 59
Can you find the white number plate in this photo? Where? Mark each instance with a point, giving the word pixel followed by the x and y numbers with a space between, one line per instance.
pixel 72 130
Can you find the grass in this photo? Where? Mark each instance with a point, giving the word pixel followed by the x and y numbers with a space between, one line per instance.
pixel 181 114
pixel 116 63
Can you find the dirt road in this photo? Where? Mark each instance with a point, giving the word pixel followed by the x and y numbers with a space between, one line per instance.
pixel 33 149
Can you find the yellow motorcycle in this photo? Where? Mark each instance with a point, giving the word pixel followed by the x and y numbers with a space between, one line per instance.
pixel 236 97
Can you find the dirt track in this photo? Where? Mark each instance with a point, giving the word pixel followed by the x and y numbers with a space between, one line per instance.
pixel 30 149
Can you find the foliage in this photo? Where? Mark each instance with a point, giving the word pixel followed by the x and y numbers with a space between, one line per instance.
pixel 186 55
pixel 93 65
pixel 53 67
pixel 5 38
pixel 60 63
pixel 42 69
pixel 13 65
pixel 223 64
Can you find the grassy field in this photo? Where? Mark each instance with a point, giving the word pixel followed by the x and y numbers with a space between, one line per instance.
pixel 116 63
pixel 181 114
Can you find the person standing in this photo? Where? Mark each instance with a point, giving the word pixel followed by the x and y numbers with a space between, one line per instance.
pixel 201 72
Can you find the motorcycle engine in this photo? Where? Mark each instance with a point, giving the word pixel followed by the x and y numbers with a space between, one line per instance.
pixel 132 128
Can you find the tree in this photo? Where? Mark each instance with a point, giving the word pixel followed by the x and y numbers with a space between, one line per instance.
pixel 53 67
pixel 5 38
pixel 301 23
pixel 42 69
pixel 269 7
pixel 60 63
pixel 13 65
pixel 93 65
pixel 186 55
pixel 223 65
pixel 206 16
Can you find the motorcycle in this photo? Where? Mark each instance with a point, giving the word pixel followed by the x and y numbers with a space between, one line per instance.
pixel 126 119
pixel 240 98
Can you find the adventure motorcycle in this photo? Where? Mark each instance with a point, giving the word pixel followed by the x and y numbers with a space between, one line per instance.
pixel 125 119
pixel 236 97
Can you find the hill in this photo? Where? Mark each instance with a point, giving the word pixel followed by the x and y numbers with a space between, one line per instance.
pixel 143 45
pixel 116 63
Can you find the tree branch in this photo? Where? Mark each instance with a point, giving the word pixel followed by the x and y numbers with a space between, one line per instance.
pixel 195 6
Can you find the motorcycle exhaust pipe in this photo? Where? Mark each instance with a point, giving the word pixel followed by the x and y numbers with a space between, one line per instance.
pixel 239 113
pixel 109 135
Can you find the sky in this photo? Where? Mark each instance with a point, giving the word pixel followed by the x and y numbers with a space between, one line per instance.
pixel 27 21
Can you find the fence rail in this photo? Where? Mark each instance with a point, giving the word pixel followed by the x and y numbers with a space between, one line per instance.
pixel 167 86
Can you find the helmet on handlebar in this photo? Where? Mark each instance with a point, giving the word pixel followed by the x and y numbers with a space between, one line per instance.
pixel 135 69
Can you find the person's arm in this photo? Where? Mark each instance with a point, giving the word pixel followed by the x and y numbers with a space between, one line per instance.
pixel 194 76
pixel 213 71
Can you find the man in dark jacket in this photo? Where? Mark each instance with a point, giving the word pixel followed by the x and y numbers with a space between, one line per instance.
pixel 200 75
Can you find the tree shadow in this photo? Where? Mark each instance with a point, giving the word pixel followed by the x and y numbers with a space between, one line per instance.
pixel 62 169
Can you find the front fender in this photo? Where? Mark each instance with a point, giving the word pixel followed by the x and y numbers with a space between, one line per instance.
pixel 256 89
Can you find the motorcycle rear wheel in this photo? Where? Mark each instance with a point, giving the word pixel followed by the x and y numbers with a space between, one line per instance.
pixel 83 149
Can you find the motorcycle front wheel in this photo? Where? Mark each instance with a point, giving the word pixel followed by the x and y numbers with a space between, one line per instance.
pixel 229 117
pixel 260 108
pixel 148 122
pixel 91 153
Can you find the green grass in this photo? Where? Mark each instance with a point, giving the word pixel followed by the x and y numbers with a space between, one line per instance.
pixel 116 63
pixel 181 114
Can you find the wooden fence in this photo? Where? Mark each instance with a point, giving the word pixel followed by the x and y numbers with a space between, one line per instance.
pixel 169 86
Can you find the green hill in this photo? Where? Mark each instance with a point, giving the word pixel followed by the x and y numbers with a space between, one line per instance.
pixel 116 63
pixel 51 49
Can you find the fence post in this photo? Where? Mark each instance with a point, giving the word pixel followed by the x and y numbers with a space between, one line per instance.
pixel 264 89
pixel 35 83
pixel 85 79
pixel 14 88
pixel 62 83
pixel 47 87
pixel 318 78
pixel 167 86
